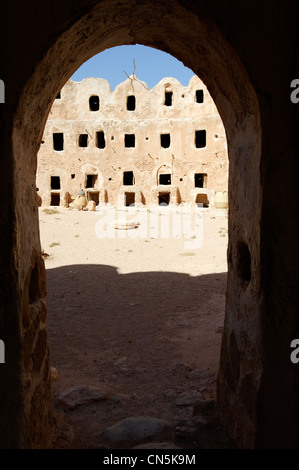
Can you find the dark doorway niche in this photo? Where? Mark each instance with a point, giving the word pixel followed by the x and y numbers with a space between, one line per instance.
pixel 58 141
pixel 101 144
pixel 164 199
pixel 94 103
pixel 131 103
pixel 128 178
pixel 168 98
pixel 165 179
pixel 129 140
pixel 130 199
pixel 94 196
pixel 55 182
pixel 200 139
pixel 202 200
pixel 165 140
pixel 83 140
pixel 91 181
pixel 55 199
pixel 199 96
pixel 200 180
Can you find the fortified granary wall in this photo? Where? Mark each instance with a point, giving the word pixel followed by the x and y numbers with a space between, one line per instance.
pixel 133 145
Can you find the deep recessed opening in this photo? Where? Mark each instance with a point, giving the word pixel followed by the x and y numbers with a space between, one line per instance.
pixel 58 141
pixel 129 199
pixel 83 140
pixel 94 196
pixel 200 180
pixel 168 98
pixel 165 178
pixel 55 199
pixel 128 178
pixel 199 96
pixel 202 200
pixel 73 176
pixel 55 182
pixel 129 140
pixel 94 103
pixel 100 142
pixel 58 96
pixel 131 103
pixel 200 139
pixel 91 181
pixel 164 199
pixel 165 140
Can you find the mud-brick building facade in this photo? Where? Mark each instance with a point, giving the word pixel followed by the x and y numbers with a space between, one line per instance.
pixel 133 145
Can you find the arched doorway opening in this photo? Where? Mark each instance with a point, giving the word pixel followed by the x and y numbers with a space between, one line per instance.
pixel 200 45
pixel 165 330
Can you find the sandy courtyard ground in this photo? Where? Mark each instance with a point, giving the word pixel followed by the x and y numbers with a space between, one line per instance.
pixel 138 318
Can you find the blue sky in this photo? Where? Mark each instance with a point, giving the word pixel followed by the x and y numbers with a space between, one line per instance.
pixel 151 66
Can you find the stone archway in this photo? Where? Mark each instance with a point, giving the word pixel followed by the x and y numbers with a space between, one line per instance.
pixel 199 45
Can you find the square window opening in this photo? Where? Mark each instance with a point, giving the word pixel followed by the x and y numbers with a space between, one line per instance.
pixel 55 182
pixel 164 199
pixel 200 180
pixel 83 140
pixel 165 179
pixel 129 140
pixel 129 199
pixel 202 200
pixel 128 178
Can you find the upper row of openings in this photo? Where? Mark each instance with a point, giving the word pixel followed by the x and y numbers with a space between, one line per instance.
pixel 94 100
pixel 58 140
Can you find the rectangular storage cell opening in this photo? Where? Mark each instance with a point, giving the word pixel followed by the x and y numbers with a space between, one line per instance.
pixel 200 180
pixel 91 181
pixel 129 140
pixel 129 199
pixel 94 103
pixel 164 199
pixel 100 140
pixel 55 182
pixel 199 96
pixel 55 199
pixel 83 140
pixel 202 200
pixel 200 139
pixel 128 178
pixel 131 103
pixel 94 196
pixel 168 98
pixel 165 179
pixel 58 141
pixel 165 140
